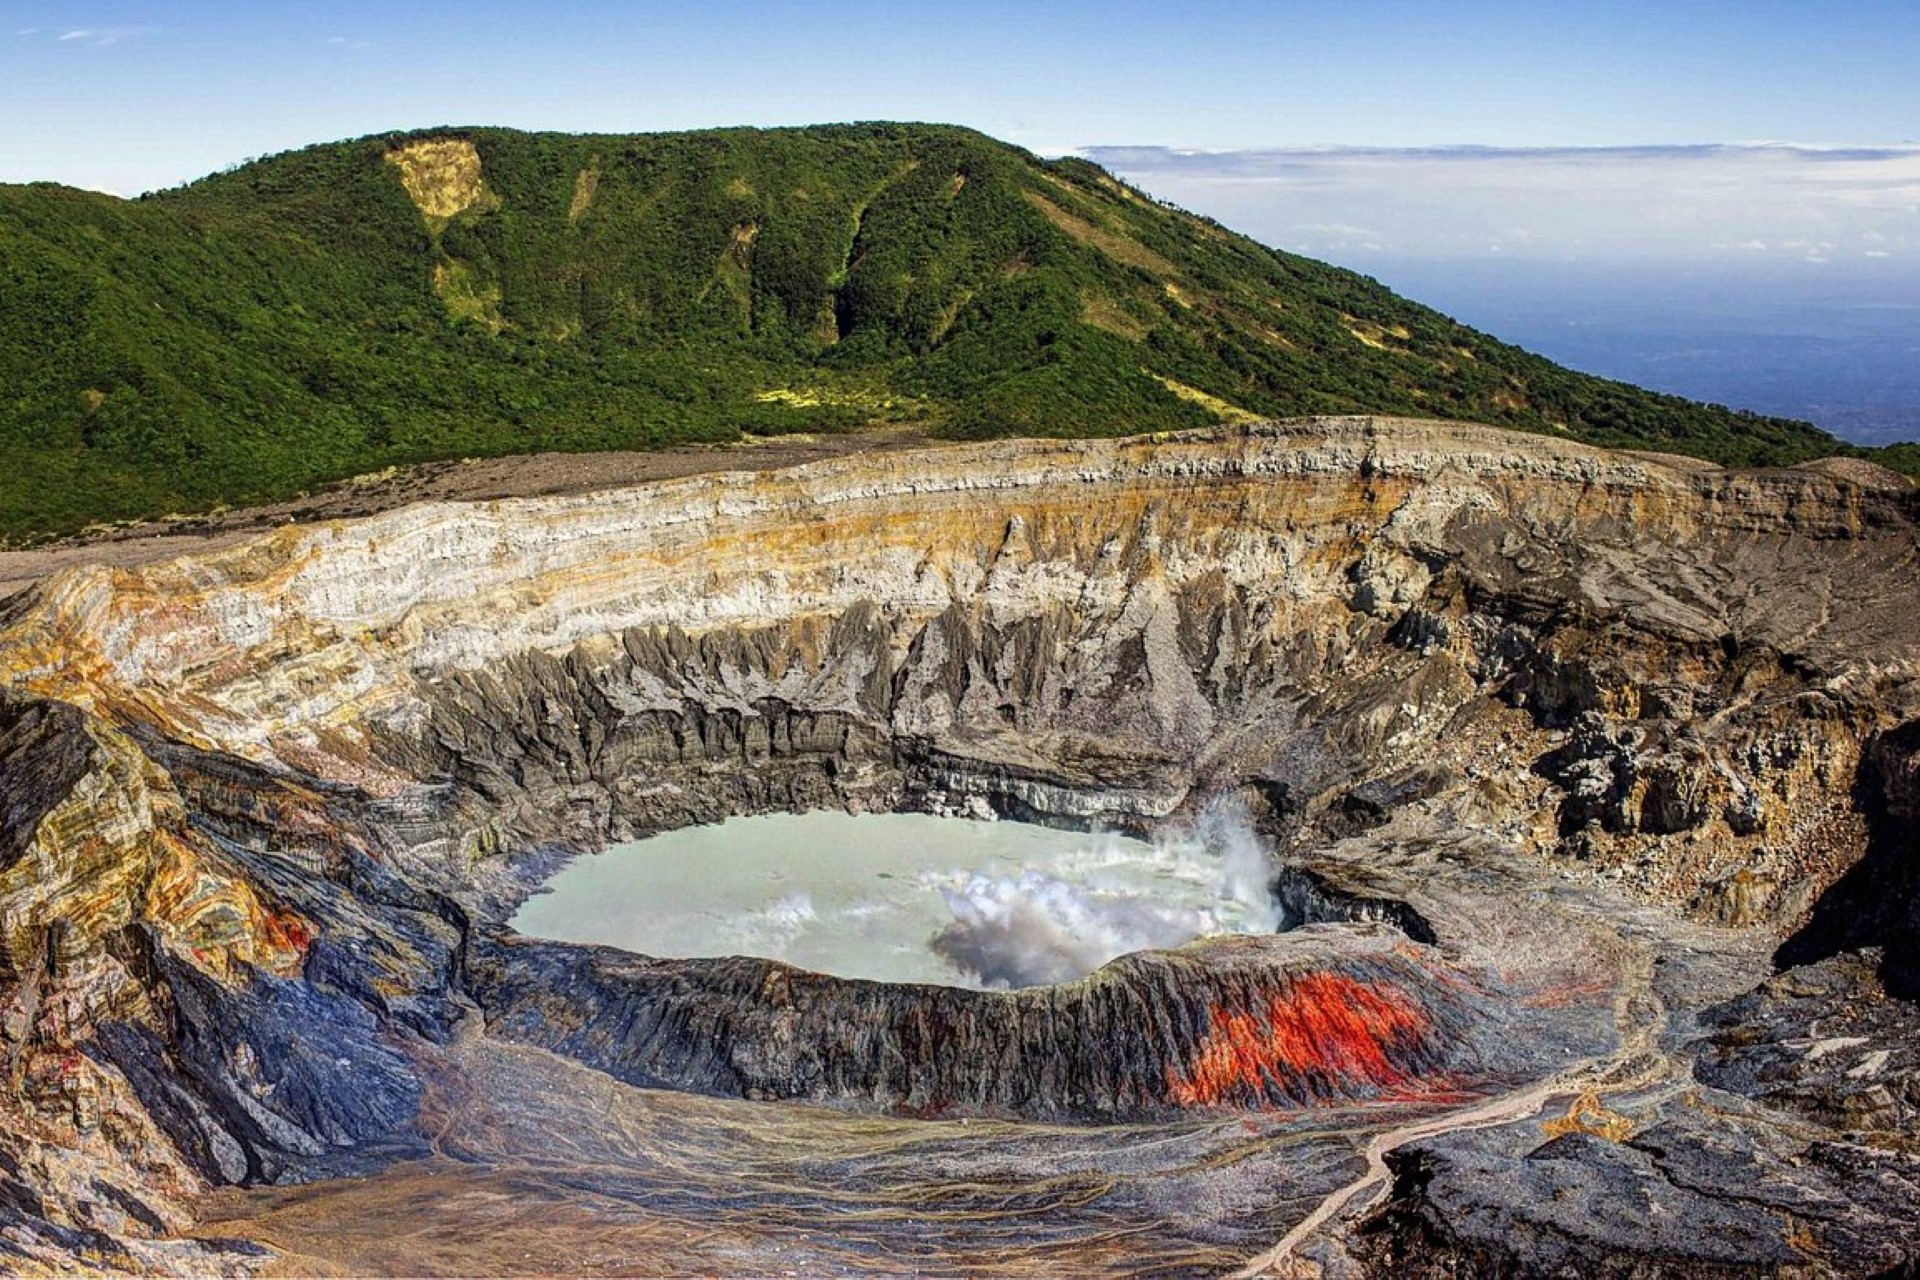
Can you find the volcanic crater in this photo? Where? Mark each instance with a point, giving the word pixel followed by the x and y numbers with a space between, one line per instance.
pixel 1588 781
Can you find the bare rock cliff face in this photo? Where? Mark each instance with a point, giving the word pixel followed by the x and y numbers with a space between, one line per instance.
pixel 264 811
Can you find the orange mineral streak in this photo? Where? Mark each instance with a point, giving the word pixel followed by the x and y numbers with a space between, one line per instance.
pixel 1320 1025
pixel 1589 1115
pixel 285 932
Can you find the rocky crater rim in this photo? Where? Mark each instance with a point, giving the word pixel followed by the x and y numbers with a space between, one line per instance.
pixel 398 553
pixel 1344 1001
pixel 1524 718
pixel 350 609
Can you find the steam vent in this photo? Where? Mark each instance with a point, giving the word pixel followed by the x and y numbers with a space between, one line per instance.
pixel 1585 788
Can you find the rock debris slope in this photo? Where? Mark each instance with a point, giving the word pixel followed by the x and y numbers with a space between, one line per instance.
pixel 1589 777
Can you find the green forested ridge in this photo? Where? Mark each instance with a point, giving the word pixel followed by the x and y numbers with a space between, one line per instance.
pixel 300 318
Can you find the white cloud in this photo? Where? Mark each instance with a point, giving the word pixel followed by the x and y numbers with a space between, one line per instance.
pixel 1333 229
pixel 95 36
pixel 1601 204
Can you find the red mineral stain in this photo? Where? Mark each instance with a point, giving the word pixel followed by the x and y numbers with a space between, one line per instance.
pixel 1319 1025
pixel 287 932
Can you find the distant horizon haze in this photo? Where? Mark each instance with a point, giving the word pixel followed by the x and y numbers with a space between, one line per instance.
pixel 1780 279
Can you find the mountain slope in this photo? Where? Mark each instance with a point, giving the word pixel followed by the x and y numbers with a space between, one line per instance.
pixel 477 291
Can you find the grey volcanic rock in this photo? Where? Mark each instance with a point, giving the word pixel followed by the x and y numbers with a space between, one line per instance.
pixel 46 753
pixel 1563 756
pixel 1141 1037
pixel 1702 1194
pixel 1827 1041
pixel 1877 903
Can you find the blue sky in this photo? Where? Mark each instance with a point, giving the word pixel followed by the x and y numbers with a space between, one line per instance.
pixel 129 94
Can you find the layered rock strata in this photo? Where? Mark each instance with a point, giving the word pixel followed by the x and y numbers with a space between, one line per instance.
pixel 264 809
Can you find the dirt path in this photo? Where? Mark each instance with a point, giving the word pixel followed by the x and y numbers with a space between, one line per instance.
pixel 533 475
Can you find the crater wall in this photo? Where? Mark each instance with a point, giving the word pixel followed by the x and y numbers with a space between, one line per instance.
pixel 265 809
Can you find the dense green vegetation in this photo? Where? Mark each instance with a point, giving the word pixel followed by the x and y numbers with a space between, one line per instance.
pixel 299 319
